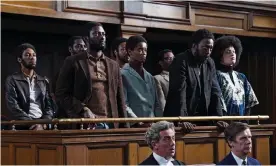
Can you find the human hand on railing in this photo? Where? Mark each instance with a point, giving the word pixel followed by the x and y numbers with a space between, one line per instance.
pixel 91 126
pixel 88 113
pixel 143 124
pixel 36 127
pixel 222 125
pixel 187 127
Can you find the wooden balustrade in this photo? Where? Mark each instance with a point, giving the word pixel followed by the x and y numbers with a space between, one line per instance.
pixel 121 120
pixel 205 145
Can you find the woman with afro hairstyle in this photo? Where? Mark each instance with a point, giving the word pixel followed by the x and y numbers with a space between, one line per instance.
pixel 238 95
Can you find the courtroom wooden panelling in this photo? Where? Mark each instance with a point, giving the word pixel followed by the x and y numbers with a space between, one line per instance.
pixel 261 146
pixel 179 150
pixel 5 154
pixel 107 154
pixel 24 154
pixel 76 154
pixel 43 5
pixel 164 10
pixel 61 10
pixel 103 147
pixel 260 22
pixel 105 8
pixel 132 153
pixel 221 19
pixel 49 154
pixel 143 151
pixel 221 149
pixel 200 153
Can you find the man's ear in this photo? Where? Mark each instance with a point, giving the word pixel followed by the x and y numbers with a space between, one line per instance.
pixel 19 60
pixel 70 49
pixel 115 52
pixel 160 63
pixel 230 143
pixel 194 46
pixel 153 144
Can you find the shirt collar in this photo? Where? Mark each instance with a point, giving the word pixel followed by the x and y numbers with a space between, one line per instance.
pixel 30 77
pixel 239 160
pixel 161 160
pixel 100 58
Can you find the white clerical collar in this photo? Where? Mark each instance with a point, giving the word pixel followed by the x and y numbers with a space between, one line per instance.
pixel 161 160
pixel 239 160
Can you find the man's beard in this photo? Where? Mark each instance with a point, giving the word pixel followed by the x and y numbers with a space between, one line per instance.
pixel 199 57
pixel 124 59
pixel 166 66
pixel 96 47
pixel 28 66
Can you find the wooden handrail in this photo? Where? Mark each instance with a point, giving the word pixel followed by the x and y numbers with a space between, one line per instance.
pixel 121 120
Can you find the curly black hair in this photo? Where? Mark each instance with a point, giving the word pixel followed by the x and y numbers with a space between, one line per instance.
pixel 133 41
pixel 224 42
pixel 116 42
pixel 21 48
pixel 90 25
pixel 202 34
pixel 71 41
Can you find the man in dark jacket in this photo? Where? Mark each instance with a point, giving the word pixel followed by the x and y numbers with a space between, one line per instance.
pixel 76 45
pixel 27 93
pixel 161 139
pixel 239 138
pixel 193 87
pixel 90 84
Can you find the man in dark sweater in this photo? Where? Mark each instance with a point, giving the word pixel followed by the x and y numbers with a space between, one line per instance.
pixel 193 87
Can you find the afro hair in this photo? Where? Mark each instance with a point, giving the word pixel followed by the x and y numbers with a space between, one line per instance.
pixel 224 42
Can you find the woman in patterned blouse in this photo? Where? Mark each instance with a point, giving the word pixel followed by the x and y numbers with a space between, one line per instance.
pixel 238 95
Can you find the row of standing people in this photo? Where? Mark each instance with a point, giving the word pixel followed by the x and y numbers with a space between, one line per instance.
pixel 91 85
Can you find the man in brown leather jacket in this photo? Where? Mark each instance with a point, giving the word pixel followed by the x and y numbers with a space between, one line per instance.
pixel 90 84
pixel 27 93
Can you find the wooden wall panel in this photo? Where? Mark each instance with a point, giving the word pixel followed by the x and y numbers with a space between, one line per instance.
pixel 164 10
pixel 261 146
pixel 33 4
pixel 222 19
pixel 49 155
pixel 199 153
pixel 106 156
pixel 143 152
pixel 76 155
pixel 106 6
pixel 95 148
pixel 132 153
pixel 24 154
pixel 5 153
pixel 259 22
pixel 179 150
pixel 221 148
